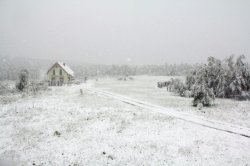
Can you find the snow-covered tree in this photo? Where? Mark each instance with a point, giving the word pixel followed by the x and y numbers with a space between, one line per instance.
pixel 217 78
pixel 240 78
pixel 23 79
pixel 202 91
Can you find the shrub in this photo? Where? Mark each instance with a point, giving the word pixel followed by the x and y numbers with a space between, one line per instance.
pixel 235 79
pixel 203 95
pixel 4 89
pixel 228 78
pixel 23 79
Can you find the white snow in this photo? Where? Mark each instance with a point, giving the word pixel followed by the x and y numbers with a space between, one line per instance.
pixel 98 130
pixel 144 88
pixel 218 125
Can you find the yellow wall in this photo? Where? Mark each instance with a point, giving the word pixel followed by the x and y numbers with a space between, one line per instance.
pixel 57 75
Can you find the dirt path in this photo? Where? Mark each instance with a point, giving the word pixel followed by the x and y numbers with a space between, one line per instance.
pixel 217 125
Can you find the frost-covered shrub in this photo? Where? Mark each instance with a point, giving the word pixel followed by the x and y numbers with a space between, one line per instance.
pixel 199 106
pixel 188 93
pixel 240 80
pixel 5 88
pixel 8 93
pixel 27 86
pixel 23 79
pixel 203 95
pixel 37 86
pixel 201 89
pixel 244 96
pixel 235 79
pixel 177 86
pixel 190 80
pixel 226 79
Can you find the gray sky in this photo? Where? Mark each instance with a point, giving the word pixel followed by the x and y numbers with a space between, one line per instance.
pixel 125 31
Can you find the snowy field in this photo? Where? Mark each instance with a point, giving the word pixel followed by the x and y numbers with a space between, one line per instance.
pixel 145 88
pixel 62 127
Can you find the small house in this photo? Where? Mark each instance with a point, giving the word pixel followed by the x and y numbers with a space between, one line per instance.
pixel 59 74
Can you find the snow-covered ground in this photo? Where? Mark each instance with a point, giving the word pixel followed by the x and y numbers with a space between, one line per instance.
pixel 62 127
pixel 145 88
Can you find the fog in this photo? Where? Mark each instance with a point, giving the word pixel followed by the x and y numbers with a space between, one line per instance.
pixel 121 32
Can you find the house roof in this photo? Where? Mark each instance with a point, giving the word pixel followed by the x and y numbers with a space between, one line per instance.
pixel 65 67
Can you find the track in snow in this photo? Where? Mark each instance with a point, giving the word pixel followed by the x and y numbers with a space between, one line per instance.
pixel 217 125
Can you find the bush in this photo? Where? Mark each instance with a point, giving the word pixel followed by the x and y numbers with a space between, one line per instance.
pixel 5 89
pixel 203 95
pixel 225 79
pixel 23 79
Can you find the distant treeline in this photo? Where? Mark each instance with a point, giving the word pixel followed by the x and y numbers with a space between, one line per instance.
pixel 11 66
pixel 126 70
pixel 217 73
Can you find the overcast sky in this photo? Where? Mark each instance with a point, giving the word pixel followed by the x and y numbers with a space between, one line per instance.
pixel 125 31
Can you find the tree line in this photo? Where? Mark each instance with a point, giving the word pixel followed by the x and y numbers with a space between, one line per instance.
pixel 11 66
pixel 126 70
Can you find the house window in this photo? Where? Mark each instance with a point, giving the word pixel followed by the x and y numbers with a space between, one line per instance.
pixel 60 71
pixel 54 72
